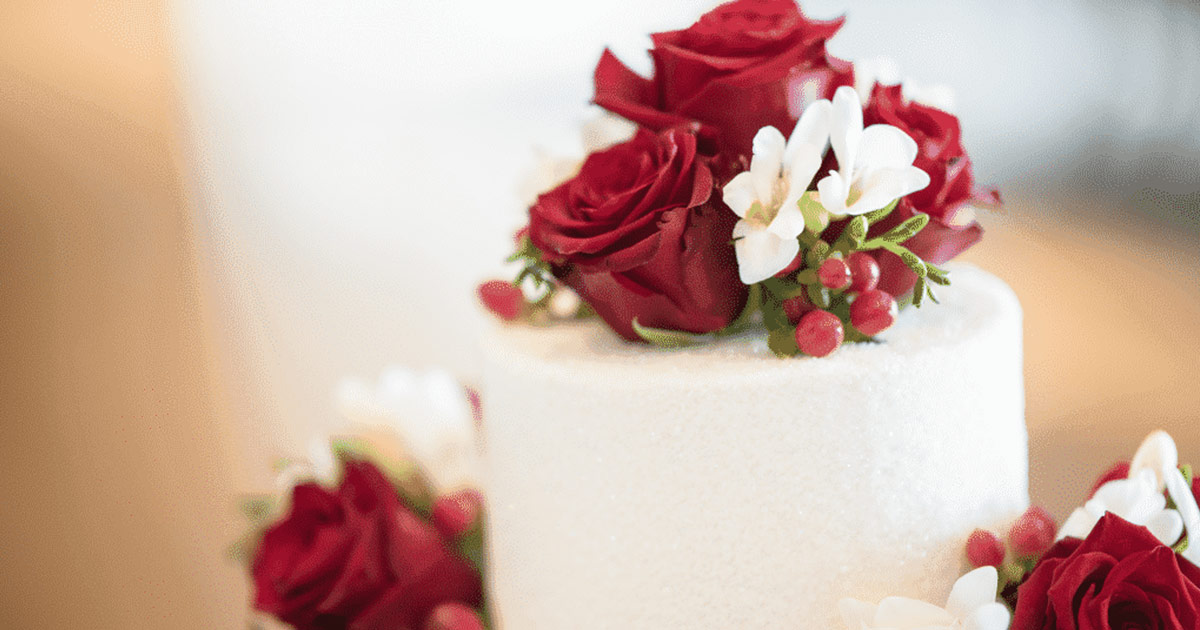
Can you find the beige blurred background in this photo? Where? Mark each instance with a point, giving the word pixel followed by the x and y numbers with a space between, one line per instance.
pixel 119 460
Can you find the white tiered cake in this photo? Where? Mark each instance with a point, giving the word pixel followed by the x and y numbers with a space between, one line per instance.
pixel 640 489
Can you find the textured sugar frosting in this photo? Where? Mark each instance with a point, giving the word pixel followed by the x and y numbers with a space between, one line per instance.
pixel 719 487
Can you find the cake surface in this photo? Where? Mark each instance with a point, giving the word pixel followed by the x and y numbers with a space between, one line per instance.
pixel 720 487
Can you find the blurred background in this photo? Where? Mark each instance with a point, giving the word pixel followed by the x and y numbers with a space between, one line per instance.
pixel 211 210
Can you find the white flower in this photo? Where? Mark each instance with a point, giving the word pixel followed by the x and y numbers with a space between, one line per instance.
pixel 972 606
pixel 766 197
pixel 1139 499
pixel 431 414
pixel 874 164
pixel 600 131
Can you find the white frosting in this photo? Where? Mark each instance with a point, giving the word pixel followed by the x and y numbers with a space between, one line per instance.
pixel 719 487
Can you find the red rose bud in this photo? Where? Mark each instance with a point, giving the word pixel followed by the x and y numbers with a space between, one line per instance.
pixel 796 307
pixel 873 312
pixel 834 273
pixel 453 616
pixel 502 298
pixel 864 272
pixel 819 333
pixel 1033 533
pixel 455 514
pixel 985 549
pixel 1117 471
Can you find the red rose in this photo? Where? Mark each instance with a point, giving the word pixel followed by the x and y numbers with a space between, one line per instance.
pixel 639 235
pixel 1120 578
pixel 745 65
pixel 357 559
pixel 951 229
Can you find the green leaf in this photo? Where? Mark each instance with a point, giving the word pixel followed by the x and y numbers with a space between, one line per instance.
pixel 782 342
pixel 808 276
pixel 914 262
pixel 471 547
pixel 663 338
pixel 857 230
pixel 1188 474
pixel 937 275
pixel 919 292
pixel 875 216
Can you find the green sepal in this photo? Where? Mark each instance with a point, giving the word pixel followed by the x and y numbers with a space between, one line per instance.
pixel 257 508
pixel 816 217
pixel 937 275
pixel 919 292
pixel 857 230
pixel 817 254
pixel 818 295
pixel 664 338
pixel 1182 545
pixel 902 232
pixel 1188 474
pixel 808 276
pixel 746 318
pixel 875 216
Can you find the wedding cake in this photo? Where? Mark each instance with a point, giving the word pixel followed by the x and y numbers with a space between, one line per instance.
pixel 712 476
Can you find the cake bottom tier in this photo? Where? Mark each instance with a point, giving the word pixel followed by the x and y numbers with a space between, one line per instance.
pixel 720 487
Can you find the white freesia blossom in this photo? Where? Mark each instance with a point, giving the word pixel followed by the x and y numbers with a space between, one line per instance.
pixel 1139 499
pixel 431 414
pixel 885 71
pixel 972 606
pixel 766 197
pixel 875 165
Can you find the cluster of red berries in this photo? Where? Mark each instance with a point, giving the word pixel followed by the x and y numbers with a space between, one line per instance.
pixel 819 332
pixel 1031 536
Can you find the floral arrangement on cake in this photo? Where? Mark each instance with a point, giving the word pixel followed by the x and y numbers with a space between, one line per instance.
pixel 753 179
pixel 382 528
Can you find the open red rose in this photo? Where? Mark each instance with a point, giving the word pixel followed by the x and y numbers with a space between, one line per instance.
pixel 357 559
pixel 951 191
pixel 1120 578
pixel 639 234
pixel 744 65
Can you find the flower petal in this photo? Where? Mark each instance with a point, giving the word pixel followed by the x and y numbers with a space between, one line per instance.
pixel 767 163
pixel 1158 453
pixel 884 146
pixel 1166 525
pixel 993 616
pixel 902 612
pixel 1078 525
pixel 739 193
pixel 811 133
pixel 788 222
pixel 760 253
pixel 884 186
pixel 847 128
pixel 972 591
pixel 832 189
pixel 856 613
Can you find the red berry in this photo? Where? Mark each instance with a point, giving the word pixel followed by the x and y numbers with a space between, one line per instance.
pixel 1033 533
pixel 873 312
pixel 834 274
pixel 984 549
pixel 792 266
pixel 453 616
pixel 502 298
pixel 819 333
pixel 864 272
pixel 455 514
pixel 796 307
pixel 1119 470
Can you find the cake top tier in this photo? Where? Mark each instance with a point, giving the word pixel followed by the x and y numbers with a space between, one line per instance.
pixel 752 173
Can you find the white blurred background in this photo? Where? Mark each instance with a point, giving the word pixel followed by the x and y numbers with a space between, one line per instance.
pixel 213 210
